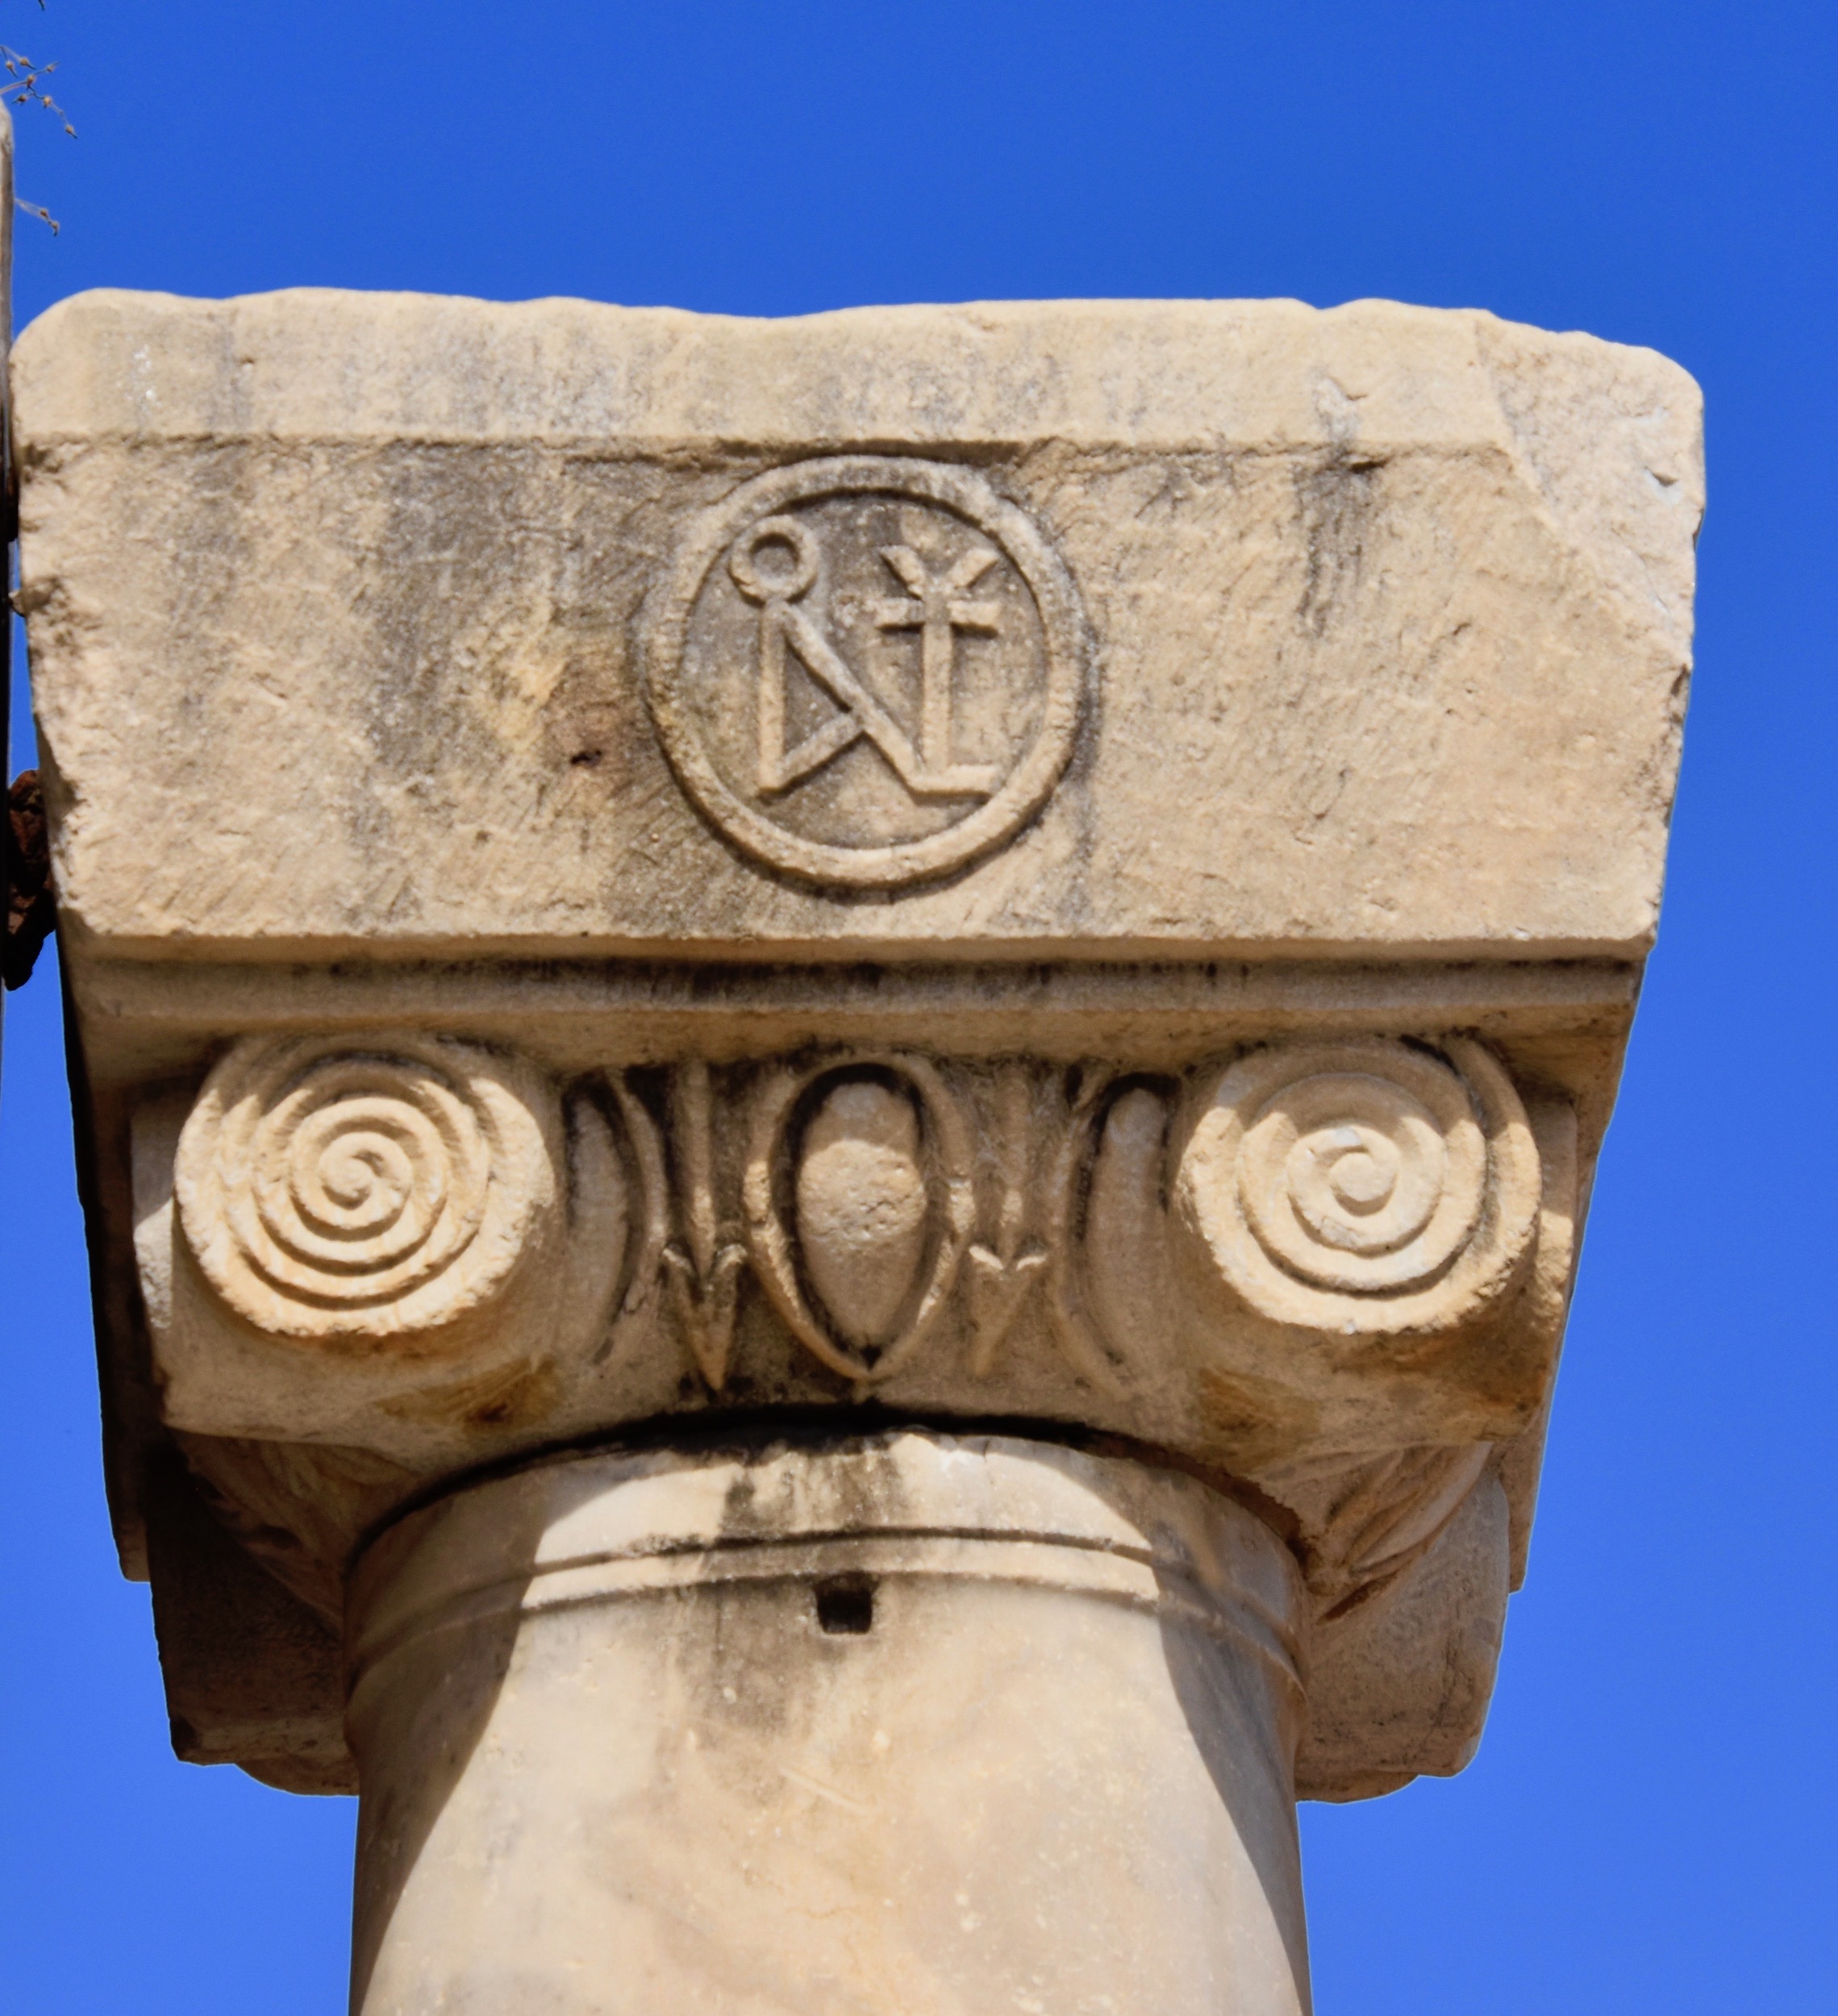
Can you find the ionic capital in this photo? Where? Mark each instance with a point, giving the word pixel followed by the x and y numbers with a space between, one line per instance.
pixel 1328 1272
pixel 1074 873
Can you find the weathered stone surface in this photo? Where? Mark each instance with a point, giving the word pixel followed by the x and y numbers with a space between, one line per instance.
pixel 1363 631
pixel 254 1677
pixel 919 1724
pixel 1080 869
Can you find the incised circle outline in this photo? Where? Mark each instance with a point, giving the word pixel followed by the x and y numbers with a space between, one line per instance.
pixel 663 625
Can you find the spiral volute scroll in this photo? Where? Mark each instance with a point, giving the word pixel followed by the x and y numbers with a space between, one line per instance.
pixel 353 1188
pixel 1364 1186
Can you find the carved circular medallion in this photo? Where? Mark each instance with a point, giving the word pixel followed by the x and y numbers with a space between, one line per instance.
pixel 347 1189
pixel 1366 1185
pixel 866 671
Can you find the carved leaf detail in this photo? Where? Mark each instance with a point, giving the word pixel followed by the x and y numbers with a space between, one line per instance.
pixel 1385 1513
pixel 704 1299
pixel 1075 1327
pixel 704 1267
pixel 996 1288
pixel 1001 1274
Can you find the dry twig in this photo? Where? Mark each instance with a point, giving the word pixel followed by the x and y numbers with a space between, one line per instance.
pixel 25 85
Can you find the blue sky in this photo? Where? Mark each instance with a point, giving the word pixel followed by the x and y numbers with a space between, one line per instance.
pixel 1647 1826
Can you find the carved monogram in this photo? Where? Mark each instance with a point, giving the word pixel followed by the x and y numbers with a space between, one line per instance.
pixel 865 671
pixel 935 609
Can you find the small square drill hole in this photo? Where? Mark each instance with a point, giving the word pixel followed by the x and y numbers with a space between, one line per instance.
pixel 845 1605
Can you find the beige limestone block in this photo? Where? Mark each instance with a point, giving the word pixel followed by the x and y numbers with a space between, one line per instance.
pixel 1076 865
pixel 1104 629
pixel 919 1725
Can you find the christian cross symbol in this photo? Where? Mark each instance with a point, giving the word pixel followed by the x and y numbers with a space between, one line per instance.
pixel 936 605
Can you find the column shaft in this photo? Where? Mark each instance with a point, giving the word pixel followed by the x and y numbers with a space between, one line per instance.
pixel 914 1725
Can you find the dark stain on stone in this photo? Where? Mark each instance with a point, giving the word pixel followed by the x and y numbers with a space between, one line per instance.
pixel 1338 500
pixel 1253 1421
pixel 30 913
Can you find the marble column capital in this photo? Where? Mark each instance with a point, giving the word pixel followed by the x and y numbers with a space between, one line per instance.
pixel 1072 870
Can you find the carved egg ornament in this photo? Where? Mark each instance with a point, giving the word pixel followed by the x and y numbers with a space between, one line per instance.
pixel 862 1205
pixel 1364 1186
pixel 352 1189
